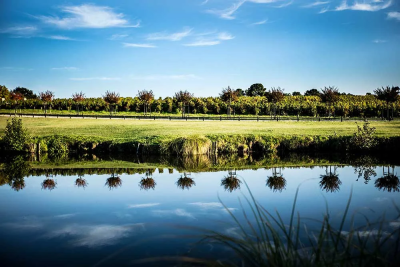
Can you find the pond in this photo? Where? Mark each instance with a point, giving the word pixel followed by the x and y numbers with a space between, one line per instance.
pixel 120 219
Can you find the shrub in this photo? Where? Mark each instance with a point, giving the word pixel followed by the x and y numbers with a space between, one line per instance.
pixel 364 137
pixel 16 136
pixel 57 147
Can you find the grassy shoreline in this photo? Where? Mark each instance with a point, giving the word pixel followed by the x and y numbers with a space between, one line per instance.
pixel 198 137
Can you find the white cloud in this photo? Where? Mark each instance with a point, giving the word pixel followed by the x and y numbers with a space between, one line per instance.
pixel 95 235
pixel 393 15
pixel 284 4
pixel 65 216
pixel 20 31
pixel 379 41
pixel 204 2
pixel 210 39
pixel 96 78
pixel 88 16
pixel 367 5
pixel 145 205
pixel 65 68
pixel 317 3
pixel 165 77
pixel 227 13
pixel 207 205
pixel 139 45
pixel 260 22
pixel 118 36
pixel 170 36
pixel 324 10
pixel 176 212
pixel 203 43
pixel 59 37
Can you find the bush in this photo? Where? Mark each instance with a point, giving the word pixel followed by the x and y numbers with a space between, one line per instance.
pixel 57 147
pixel 16 137
pixel 364 137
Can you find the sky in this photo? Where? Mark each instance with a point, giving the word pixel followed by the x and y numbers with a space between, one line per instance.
pixel 201 46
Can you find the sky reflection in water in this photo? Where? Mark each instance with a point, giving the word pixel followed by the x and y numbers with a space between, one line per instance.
pixel 82 223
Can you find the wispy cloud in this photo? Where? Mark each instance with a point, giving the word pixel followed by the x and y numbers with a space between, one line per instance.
pixel 204 2
pixel 379 41
pixel 177 36
pixel 95 235
pixel 284 4
pixel 88 16
pixel 145 205
pixel 317 3
pixel 207 205
pixel 139 45
pixel 176 212
pixel 393 15
pixel 228 12
pixel 59 37
pixel 96 78
pixel 260 22
pixel 20 31
pixel 118 36
pixel 65 68
pixel 65 216
pixel 165 77
pixel 324 10
pixel 367 5
pixel 210 39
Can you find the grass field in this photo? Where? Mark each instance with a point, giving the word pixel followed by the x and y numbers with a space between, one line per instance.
pixel 118 129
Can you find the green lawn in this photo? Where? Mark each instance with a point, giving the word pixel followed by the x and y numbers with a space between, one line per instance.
pixel 137 129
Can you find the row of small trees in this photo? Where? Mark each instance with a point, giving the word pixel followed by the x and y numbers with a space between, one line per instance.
pixel 230 100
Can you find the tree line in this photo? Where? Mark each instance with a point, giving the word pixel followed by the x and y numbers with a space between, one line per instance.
pixel 256 100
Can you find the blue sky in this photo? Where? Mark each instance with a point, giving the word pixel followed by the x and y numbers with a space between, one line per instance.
pixel 196 45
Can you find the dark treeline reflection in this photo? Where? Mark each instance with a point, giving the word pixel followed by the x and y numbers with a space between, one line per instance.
pixel 14 168
pixel 389 181
pixel 330 181
pixel 231 182
pixel 185 181
pixel 276 182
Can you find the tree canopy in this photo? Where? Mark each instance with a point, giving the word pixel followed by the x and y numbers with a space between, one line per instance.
pixel 28 94
pixel 388 94
pixel 256 89
pixel 312 92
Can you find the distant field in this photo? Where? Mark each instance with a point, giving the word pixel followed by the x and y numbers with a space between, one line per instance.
pixel 137 129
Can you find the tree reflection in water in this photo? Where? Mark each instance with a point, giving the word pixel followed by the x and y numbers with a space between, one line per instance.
pixel 276 182
pixel 147 182
pixel 388 182
pixel 185 182
pixel 49 183
pixel 363 166
pixel 80 182
pixel 330 182
pixel 231 182
pixel 113 182
pixel 15 169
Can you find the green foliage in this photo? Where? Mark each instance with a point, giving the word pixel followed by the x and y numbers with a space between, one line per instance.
pixel 16 137
pixel 57 147
pixel 264 239
pixel 388 94
pixel 191 145
pixel 256 89
pixel 26 93
pixel 364 138
pixel 4 92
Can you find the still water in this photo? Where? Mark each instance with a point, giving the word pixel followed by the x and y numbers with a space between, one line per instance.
pixel 114 220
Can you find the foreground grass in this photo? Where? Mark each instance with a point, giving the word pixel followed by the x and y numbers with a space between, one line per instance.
pixel 118 129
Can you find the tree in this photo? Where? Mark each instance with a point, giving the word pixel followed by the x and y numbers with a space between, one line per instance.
pixel 295 93
pixel 46 97
pixel 78 98
pixel 240 92
pixel 184 98
pixel 256 89
pixel 4 92
pixel 111 98
pixel 312 92
pixel 15 135
pixel 228 95
pixel 275 94
pixel 330 94
pixel 15 98
pixel 28 94
pixel 388 94
pixel 146 97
